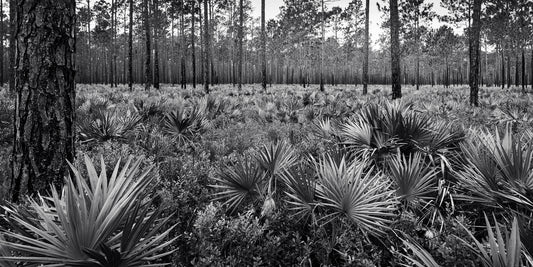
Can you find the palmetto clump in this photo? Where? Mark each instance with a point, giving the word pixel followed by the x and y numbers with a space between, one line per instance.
pixel 183 124
pixel 99 221
pixel 107 125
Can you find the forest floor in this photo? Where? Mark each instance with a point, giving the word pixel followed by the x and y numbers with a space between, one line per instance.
pixel 206 149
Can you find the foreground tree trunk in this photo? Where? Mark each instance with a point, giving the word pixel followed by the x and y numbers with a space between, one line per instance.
pixel 366 46
pixel 395 50
pixel 474 53
pixel 44 107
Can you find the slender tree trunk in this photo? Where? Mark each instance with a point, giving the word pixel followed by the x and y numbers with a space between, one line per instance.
pixel 366 48
pixel 1 43
pixel 395 50
pixel 516 71
pixel 206 47
pixel 263 47
pixel 148 58
pixel 89 50
pixel 156 18
pixel 417 51
pixel 12 31
pixel 474 53
pixel 321 66
pixel 193 22
pixel 130 49
pixel 523 72
pixel 112 46
pixel 241 37
pixel 508 72
pixel 45 93
pixel 182 51
pixel 503 71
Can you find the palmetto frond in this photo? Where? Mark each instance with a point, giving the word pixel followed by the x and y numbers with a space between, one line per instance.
pixel 88 215
pixel 240 182
pixel 505 248
pixel 413 179
pixel 364 198
pixel 276 158
pixel 108 125
pixel 183 125
pixel 301 190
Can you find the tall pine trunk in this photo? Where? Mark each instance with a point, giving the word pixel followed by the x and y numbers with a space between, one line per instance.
pixel 240 37
pixel 366 48
pixel 1 43
pixel 155 15
pixel 45 93
pixel 395 50
pixel 474 53
pixel 193 53
pixel 12 25
pixel 130 49
pixel 147 57
pixel 183 50
pixel 263 47
pixel 523 72
pixel 206 47
pixel 503 71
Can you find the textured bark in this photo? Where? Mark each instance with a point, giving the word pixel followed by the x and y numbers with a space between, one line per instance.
pixel 206 48
pixel 45 93
pixel 263 47
pixel 395 50
pixel 2 43
pixel 156 43
pixel 366 48
pixel 240 37
pixel 474 53
pixel 193 53
pixel 89 53
pixel 11 50
pixel 130 49
pixel 323 41
pixel 182 54
pixel 148 58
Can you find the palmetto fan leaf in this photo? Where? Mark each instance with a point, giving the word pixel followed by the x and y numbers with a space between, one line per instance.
pixel 301 190
pixel 276 158
pixel 499 172
pixel 364 198
pixel 413 179
pixel 107 125
pixel 89 214
pixel 183 125
pixel 240 182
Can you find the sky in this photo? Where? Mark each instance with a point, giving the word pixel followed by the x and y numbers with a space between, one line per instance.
pixel 272 10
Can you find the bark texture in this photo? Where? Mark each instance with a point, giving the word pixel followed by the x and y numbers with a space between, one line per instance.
pixel 395 50
pixel 474 53
pixel 45 93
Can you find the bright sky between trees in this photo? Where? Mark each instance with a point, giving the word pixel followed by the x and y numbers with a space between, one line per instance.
pixel 272 10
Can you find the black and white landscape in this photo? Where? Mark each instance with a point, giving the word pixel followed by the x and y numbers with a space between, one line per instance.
pixel 266 133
